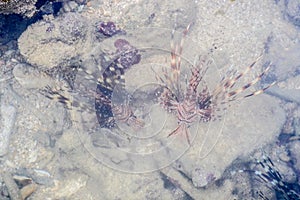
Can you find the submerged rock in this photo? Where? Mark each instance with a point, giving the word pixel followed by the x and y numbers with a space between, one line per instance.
pixel 26 8
pixel 8 116
pixel 50 43
pixel 293 11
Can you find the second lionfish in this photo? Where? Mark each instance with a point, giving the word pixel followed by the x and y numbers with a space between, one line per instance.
pixel 191 106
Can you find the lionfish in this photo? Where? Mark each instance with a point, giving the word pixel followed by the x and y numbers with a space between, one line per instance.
pixel 191 106
pixel 273 179
pixel 107 112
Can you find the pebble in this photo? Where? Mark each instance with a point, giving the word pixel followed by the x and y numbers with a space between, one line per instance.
pixel 28 190
pixel 294 148
pixel 284 157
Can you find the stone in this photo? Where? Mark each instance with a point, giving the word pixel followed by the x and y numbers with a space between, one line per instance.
pixel 8 117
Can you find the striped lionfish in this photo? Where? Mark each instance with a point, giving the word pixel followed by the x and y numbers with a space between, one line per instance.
pixel 107 112
pixel 192 106
pixel 273 179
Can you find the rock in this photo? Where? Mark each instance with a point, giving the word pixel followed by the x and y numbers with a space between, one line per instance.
pixel 286 95
pixel 248 125
pixel 70 6
pixel 8 117
pixel 49 44
pixel 26 8
pixel 70 186
pixel 12 186
pixel 31 78
pixel 294 148
pixel 285 62
pixel 27 190
pixel 293 11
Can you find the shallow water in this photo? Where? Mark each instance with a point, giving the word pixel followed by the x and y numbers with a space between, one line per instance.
pixel 49 75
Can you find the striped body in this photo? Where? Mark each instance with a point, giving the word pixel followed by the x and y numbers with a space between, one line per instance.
pixel 190 106
pixel 112 76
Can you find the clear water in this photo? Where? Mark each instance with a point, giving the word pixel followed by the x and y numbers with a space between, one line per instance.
pixel 50 67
